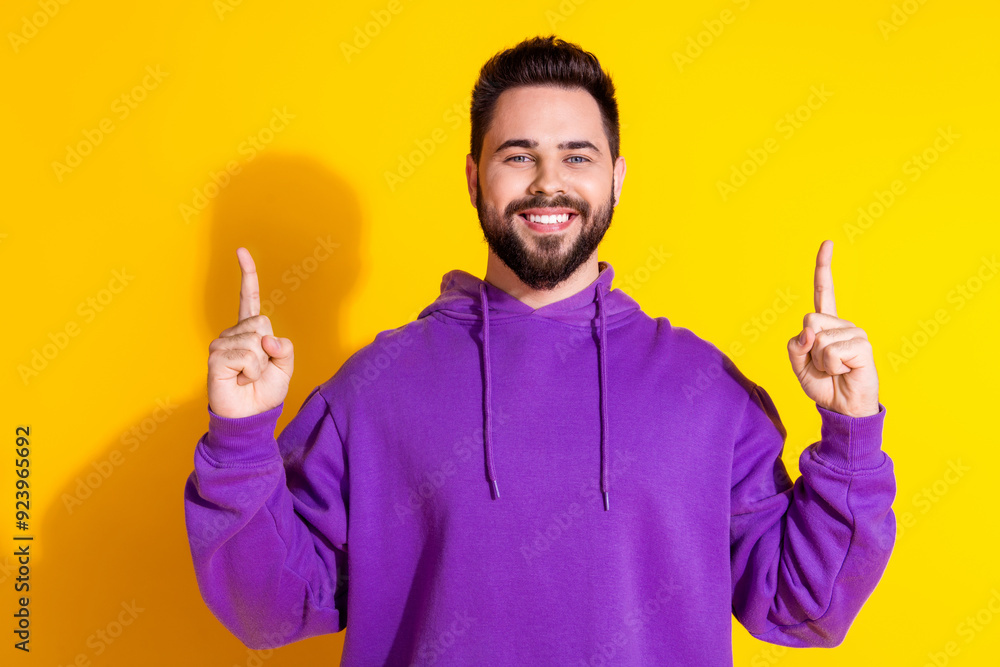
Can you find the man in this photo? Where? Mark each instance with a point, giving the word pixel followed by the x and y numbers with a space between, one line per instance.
pixel 522 475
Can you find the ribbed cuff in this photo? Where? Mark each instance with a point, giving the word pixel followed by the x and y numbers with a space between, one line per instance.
pixel 242 439
pixel 852 443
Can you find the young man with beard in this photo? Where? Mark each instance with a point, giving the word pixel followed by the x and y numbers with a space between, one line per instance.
pixel 379 509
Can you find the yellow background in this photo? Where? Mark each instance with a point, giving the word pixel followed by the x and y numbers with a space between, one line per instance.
pixel 225 68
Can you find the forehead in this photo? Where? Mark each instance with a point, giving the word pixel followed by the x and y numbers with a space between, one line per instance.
pixel 549 114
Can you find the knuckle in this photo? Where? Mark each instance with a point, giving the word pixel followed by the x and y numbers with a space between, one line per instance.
pixel 251 366
pixel 223 343
pixel 830 335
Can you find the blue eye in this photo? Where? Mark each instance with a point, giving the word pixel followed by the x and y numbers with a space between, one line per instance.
pixel 572 157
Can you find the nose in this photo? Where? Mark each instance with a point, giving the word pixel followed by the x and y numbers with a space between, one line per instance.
pixel 548 180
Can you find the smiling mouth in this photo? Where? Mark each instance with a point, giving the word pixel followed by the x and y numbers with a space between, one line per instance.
pixel 558 216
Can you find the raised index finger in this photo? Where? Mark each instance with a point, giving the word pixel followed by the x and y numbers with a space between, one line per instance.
pixel 823 281
pixel 249 292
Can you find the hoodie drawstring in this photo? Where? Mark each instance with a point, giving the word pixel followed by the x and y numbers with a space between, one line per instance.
pixel 603 354
pixel 488 396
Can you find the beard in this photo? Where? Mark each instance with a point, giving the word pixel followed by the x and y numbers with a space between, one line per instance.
pixel 541 262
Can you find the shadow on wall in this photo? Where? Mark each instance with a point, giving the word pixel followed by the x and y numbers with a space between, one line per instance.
pixel 120 588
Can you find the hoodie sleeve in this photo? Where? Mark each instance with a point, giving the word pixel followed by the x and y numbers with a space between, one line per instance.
pixel 806 556
pixel 267 524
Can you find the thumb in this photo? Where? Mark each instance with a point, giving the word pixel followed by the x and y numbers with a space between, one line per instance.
pixel 281 352
pixel 798 350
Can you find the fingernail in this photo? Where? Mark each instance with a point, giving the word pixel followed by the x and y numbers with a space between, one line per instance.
pixel 802 337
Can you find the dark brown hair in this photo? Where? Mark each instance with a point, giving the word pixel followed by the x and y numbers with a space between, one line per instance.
pixel 542 61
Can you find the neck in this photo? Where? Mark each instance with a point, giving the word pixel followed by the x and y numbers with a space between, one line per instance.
pixel 499 275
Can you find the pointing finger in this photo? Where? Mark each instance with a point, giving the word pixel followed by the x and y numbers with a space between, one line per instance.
pixel 249 292
pixel 823 281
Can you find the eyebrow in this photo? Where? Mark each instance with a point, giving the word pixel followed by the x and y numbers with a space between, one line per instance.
pixel 529 143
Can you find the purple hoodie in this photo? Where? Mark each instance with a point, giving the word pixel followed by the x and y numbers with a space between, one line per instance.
pixel 577 484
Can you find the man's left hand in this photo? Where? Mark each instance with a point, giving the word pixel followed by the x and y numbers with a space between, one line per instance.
pixel 834 361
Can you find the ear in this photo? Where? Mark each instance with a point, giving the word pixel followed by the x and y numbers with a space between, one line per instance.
pixel 619 178
pixel 471 177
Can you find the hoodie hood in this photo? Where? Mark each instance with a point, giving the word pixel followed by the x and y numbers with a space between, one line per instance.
pixel 465 298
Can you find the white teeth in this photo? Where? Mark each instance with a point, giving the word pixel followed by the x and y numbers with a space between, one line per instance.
pixel 549 219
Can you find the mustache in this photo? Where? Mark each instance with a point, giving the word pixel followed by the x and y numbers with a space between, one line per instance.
pixel 538 202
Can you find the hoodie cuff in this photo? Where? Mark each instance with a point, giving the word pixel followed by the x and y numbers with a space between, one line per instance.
pixel 851 443
pixel 242 439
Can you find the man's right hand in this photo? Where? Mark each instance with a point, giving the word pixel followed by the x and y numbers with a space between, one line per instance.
pixel 249 369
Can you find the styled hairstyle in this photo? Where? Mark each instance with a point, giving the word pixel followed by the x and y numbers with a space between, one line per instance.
pixel 542 61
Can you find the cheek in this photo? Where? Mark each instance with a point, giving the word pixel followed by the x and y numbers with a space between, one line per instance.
pixel 503 183
pixel 594 191
pixel 500 191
